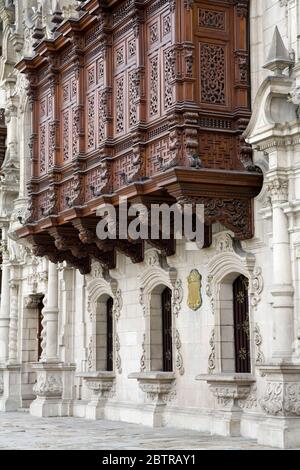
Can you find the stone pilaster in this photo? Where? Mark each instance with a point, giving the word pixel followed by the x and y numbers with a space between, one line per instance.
pixel 281 403
pixel 10 367
pixel 52 376
pixel 282 290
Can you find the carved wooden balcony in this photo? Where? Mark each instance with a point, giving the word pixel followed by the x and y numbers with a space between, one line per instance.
pixel 143 99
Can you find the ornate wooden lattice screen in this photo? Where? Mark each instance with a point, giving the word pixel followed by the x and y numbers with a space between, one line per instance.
pixel 241 325
pixel 109 335
pixel 166 307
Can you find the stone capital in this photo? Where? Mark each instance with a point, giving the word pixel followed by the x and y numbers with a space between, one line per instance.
pixel 278 187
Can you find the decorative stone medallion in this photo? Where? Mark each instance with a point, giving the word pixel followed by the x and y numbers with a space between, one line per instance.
pixel 194 290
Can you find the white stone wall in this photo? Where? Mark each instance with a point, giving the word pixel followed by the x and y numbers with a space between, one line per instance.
pixel 193 405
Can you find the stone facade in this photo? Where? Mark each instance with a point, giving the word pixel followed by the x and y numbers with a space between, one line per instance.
pixel 203 392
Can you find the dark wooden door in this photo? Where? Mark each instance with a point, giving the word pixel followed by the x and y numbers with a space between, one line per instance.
pixel 109 335
pixel 166 301
pixel 40 328
pixel 241 325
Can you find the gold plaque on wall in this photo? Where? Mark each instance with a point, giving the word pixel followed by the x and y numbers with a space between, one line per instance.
pixel 194 290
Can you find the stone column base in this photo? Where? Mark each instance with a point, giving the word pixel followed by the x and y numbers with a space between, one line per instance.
pixel 10 399
pixel 228 389
pixel 281 403
pixel 101 384
pixel 280 432
pixel 50 390
pixel 158 387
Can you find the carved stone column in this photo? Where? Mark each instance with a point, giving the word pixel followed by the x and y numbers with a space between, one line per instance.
pixel 282 290
pixel 53 376
pixel 5 305
pixel 13 323
pixel 229 390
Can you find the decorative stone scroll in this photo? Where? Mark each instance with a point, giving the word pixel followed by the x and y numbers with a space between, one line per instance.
pixel 281 399
pixel 212 355
pixel 194 290
pixel 117 352
pixel 259 356
pixel 177 297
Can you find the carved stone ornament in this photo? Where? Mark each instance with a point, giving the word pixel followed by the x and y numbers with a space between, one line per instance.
pixel 212 355
pixel 152 258
pixel 257 284
pixel 177 297
pixel 50 386
pixel 142 300
pixel 281 399
pixel 179 358
pixel 194 290
pixel 227 396
pixel 251 402
pixel 90 356
pixel 117 306
pixel 228 389
pixel 143 356
pixel 32 301
pixel 259 356
pixel 278 189
pixel 158 386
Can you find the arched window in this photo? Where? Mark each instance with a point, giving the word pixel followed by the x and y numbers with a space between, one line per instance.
pixel 234 347
pixel 104 334
pixel 161 358
pixel 166 305
pixel 241 325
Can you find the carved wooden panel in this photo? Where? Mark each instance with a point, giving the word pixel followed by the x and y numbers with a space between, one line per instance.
pixel 46 144
pixel 151 95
